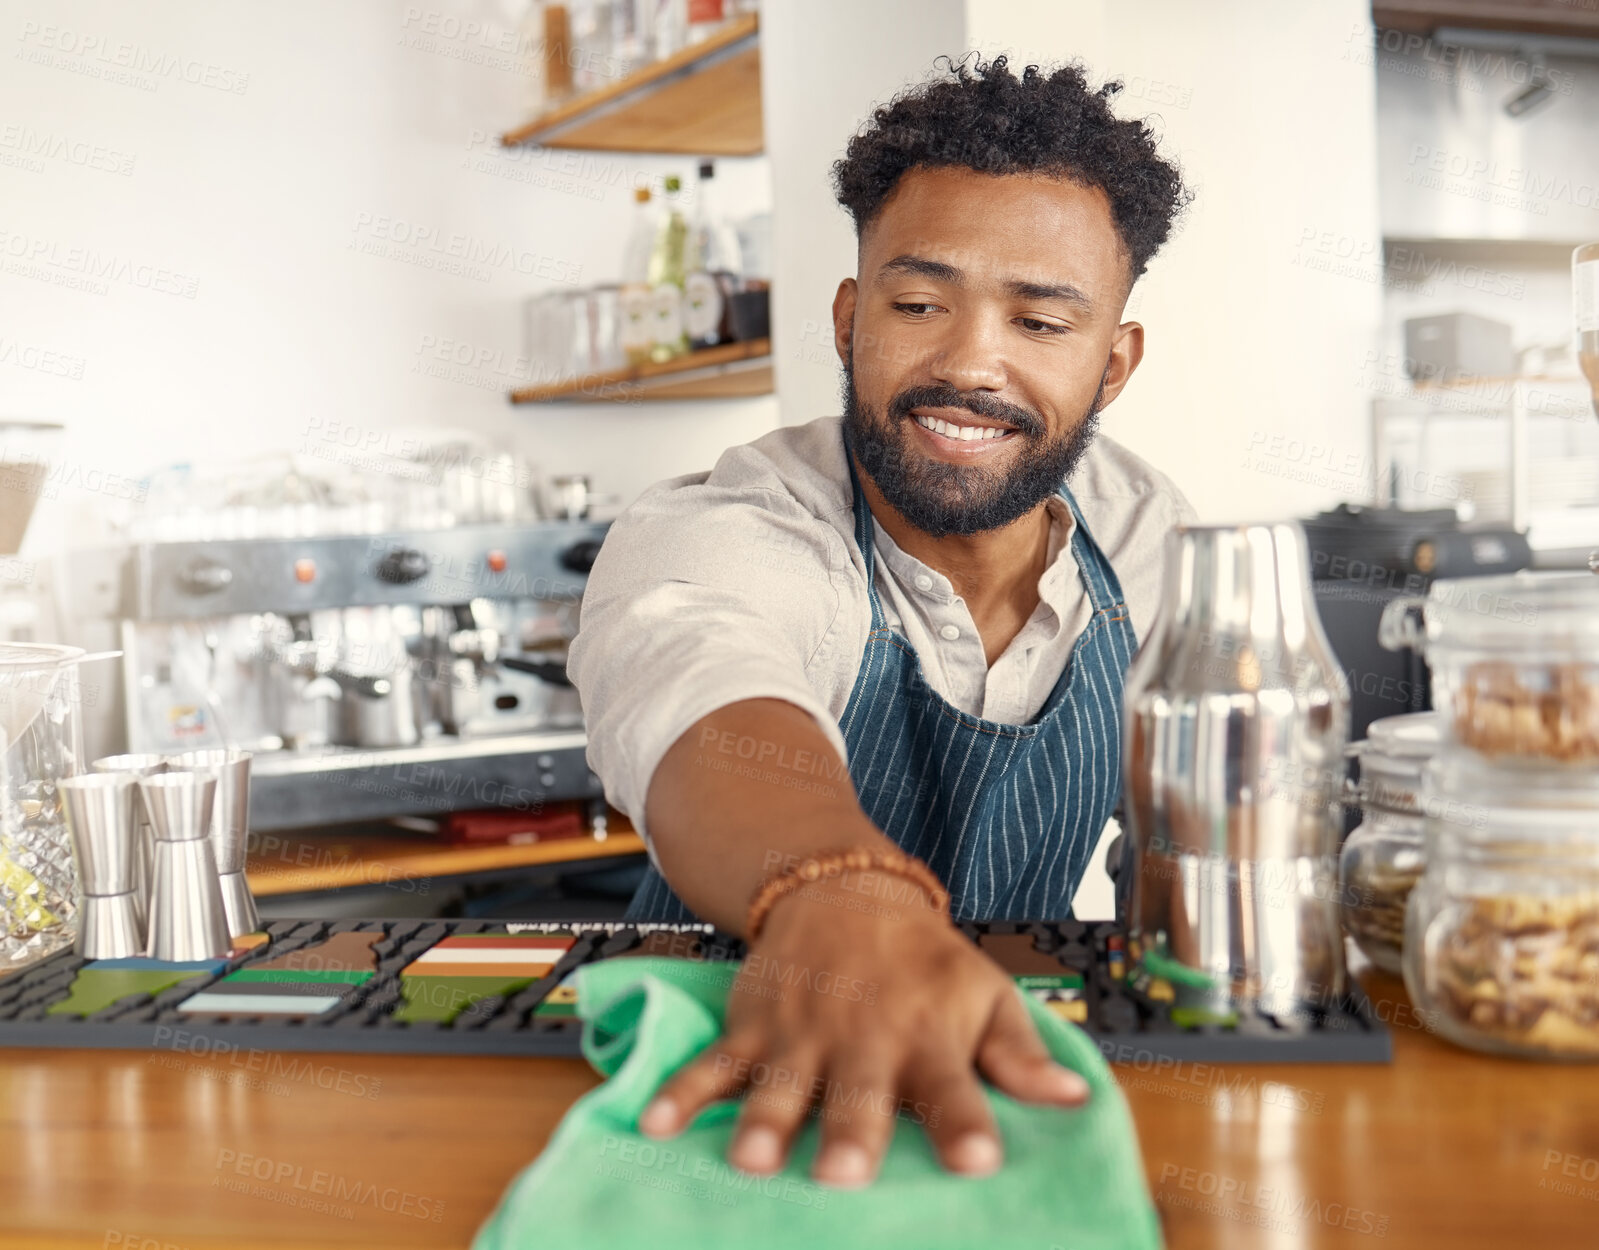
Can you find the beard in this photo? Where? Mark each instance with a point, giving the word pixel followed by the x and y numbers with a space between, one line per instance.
pixel 951 499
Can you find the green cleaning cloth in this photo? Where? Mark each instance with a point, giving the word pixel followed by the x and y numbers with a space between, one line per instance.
pixel 1071 1178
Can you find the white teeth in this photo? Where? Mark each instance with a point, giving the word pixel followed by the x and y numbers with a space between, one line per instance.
pixel 964 433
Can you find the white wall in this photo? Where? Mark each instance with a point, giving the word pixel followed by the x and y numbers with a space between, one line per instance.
pixel 1270 109
pixel 825 63
pixel 260 198
pixel 321 121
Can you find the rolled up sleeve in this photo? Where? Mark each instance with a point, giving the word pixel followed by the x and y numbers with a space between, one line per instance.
pixel 702 596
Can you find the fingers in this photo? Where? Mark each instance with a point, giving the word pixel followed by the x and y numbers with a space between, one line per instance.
pixel 1014 1059
pixel 958 1120
pixel 858 1115
pixel 717 1074
pixel 777 1101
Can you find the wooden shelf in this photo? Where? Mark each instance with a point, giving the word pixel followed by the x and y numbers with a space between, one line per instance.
pixel 303 863
pixel 732 370
pixel 704 100
pixel 1543 17
pixel 1469 382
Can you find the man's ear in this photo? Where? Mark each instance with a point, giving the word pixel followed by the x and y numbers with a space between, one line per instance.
pixel 1126 350
pixel 844 318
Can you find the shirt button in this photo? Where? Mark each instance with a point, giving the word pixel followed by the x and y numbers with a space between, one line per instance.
pixel 950 633
pixel 923 582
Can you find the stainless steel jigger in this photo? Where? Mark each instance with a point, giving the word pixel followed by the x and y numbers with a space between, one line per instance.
pixel 187 920
pixel 230 825
pixel 136 766
pixel 100 818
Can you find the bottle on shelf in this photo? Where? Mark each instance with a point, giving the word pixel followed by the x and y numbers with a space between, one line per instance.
pixel 1585 302
pixel 531 67
pixel 589 49
pixel 668 269
pixel 556 46
pixel 630 35
pixel 668 23
pixel 715 268
pixel 635 333
pixel 703 17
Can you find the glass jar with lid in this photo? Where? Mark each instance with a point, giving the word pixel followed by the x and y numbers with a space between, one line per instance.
pixel 1514 661
pixel 1383 857
pixel 1502 931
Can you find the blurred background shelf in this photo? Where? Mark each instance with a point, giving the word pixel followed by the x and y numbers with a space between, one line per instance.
pixel 704 100
pixel 727 371
pixel 356 858
pixel 1547 17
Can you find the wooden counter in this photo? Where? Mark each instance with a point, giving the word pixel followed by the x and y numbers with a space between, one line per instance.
pixel 287 863
pixel 1444 1150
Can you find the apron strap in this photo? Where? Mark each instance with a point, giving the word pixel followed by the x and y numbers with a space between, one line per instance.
pixel 863 540
pixel 1099 577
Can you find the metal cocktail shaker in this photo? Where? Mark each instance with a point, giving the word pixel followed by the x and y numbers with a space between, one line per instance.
pixel 230 826
pixel 1236 719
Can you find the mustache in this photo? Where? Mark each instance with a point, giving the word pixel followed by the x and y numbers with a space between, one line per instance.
pixel 980 403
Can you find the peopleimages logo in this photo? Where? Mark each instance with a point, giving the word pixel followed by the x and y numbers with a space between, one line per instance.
pixel 46 145
pixel 133 63
pixel 465 255
pixel 1263 1205
pixel 51 261
pixel 292 1184
pixel 1481 175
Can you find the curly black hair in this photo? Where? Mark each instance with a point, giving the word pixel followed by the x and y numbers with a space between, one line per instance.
pixel 982 117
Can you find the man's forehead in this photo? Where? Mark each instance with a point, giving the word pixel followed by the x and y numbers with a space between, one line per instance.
pixel 997 228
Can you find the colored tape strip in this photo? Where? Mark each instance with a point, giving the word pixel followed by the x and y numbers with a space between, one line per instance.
pixel 258 1004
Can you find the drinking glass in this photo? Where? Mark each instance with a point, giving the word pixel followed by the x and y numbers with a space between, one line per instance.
pixel 1585 309
pixel 1585 312
pixel 605 313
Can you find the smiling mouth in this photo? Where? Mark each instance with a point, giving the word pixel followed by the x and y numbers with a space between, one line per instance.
pixel 964 430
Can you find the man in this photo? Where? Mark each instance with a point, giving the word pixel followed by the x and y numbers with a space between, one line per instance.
pixel 898 639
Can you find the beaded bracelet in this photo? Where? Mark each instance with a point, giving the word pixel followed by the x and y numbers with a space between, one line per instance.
pixel 831 864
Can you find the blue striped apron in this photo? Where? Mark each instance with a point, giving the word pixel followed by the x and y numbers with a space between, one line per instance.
pixel 1006 815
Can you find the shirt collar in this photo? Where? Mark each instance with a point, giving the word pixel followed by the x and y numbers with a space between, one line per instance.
pixel 1059 575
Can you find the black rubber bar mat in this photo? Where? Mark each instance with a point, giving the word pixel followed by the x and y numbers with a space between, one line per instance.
pixel 484 987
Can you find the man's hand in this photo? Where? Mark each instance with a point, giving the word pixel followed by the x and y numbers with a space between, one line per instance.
pixel 853 1009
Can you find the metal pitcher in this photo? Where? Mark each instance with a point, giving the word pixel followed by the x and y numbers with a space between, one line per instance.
pixel 1236 719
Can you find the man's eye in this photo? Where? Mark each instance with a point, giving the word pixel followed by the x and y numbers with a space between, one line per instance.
pixel 915 310
pixel 1034 326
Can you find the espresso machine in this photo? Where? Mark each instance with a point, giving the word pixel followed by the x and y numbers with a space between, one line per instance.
pixel 371 675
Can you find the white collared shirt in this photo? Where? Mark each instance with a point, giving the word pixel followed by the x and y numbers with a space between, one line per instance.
pixel 746 583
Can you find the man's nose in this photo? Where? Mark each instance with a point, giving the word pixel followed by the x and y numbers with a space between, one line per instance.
pixel 970 355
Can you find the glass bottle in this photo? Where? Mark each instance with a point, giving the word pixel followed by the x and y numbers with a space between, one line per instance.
pixel 531 59
pixel 668 24
pixel 1585 308
pixel 715 266
pixel 556 47
pixel 668 269
pixel 703 17
pixel 634 333
pixel 590 50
